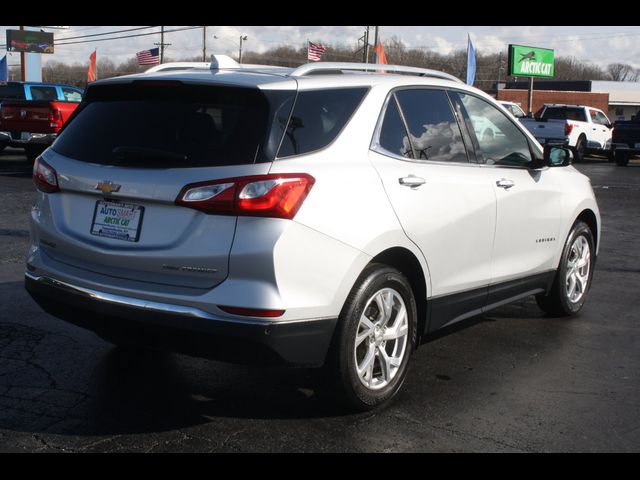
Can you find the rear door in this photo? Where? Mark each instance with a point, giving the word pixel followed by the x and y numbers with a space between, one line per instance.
pixel 444 202
pixel 123 160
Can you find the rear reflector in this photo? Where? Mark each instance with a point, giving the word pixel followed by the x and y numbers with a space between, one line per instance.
pixel 252 312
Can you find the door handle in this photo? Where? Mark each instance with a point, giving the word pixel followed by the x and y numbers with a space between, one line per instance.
pixel 505 183
pixel 411 181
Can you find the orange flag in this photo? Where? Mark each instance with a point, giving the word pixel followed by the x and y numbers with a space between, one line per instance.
pixel 380 55
pixel 91 74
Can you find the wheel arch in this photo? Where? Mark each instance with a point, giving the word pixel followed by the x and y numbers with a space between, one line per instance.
pixel 406 262
pixel 588 216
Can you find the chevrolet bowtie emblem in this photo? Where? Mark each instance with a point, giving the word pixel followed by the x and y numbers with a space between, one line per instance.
pixel 108 187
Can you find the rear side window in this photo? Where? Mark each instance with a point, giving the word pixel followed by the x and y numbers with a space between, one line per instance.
pixel 564 113
pixel 434 131
pixel 153 124
pixel 317 119
pixel 44 93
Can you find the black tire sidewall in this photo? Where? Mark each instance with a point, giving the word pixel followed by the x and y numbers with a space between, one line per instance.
pixel 372 280
pixel 579 229
pixel 578 157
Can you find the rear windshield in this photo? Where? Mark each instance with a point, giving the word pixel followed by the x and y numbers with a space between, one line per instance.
pixel 563 113
pixel 169 124
pixel 318 117
pixel 12 91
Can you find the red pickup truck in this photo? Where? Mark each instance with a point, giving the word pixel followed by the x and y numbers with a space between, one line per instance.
pixel 33 120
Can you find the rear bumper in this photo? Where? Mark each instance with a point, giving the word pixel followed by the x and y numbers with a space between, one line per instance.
pixel 183 329
pixel 26 138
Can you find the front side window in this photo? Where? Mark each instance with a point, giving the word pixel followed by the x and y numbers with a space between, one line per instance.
pixel 71 95
pixel 433 129
pixel 500 141
pixel 318 117
pixel 602 119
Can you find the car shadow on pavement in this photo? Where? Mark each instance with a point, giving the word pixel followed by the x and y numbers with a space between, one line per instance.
pixel 59 379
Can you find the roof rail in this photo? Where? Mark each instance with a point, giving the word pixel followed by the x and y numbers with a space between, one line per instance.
pixel 327 67
pixel 177 66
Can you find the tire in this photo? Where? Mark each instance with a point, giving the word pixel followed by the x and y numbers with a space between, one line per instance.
pixel 578 150
pixel 376 385
pixel 611 156
pixel 562 301
pixel 32 152
pixel 622 158
pixel 2 147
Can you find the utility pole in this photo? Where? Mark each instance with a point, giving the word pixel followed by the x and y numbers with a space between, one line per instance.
pixel 162 44
pixel 499 69
pixel 365 48
pixel 23 62
pixel 375 44
pixel 204 44
pixel 242 38
pixel 366 45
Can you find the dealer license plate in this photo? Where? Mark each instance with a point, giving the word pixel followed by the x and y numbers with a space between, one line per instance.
pixel 121 221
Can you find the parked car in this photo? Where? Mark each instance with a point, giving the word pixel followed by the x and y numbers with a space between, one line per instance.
pixel 585 129
pixel 32 114
pixel 323 217
pixel 513 108
pixel 625 143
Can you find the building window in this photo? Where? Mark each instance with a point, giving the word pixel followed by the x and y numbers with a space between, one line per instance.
pixel 619 111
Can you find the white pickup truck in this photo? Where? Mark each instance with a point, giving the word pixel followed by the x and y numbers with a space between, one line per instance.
pixel 585 129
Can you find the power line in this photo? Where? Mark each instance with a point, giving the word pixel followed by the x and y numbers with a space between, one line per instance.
pixel 105 33
pixel 127 36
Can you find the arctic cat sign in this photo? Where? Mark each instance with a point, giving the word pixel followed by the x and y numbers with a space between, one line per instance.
pixel 530 61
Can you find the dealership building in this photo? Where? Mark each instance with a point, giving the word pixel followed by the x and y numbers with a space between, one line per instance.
pixel 620 100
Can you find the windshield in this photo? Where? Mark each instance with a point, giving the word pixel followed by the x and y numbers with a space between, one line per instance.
pixel 169 124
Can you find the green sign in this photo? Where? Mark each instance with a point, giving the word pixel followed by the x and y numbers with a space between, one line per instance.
pixel 530 61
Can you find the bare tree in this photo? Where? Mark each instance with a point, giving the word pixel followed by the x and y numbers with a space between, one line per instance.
pixel 621 72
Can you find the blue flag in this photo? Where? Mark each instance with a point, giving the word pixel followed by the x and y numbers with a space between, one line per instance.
pixel 471 62
pixel 4 70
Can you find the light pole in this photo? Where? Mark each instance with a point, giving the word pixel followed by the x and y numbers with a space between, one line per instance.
pixel 204 43
pixel 242 38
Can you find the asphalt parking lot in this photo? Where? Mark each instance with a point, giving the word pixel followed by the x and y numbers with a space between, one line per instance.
pixel 510 381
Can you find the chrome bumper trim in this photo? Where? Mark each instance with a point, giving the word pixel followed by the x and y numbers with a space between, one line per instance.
pixel 151 306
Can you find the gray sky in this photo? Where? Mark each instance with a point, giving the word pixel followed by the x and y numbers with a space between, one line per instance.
pixel 600 45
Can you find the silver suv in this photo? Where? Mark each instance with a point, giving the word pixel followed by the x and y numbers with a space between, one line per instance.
pixel 330 215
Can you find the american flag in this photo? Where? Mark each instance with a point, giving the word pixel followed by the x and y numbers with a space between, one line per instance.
pixel 315 51
pixel 149 57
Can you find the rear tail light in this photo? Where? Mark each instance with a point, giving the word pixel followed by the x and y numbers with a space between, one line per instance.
pixel 45 177
pixel 55 118
pixel 568 128
pixel 276 195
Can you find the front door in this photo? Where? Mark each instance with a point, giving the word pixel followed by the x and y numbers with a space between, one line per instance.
pixel 528 209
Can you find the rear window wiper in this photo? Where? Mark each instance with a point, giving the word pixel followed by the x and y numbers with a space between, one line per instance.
pixel 144 153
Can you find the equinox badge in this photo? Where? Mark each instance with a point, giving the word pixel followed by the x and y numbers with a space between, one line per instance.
pixel 108 187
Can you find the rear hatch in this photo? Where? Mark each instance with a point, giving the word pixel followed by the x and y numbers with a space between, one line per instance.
pixel 27 116
pixel 122 161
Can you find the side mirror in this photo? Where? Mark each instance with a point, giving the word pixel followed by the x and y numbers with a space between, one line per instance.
pixel 557 155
